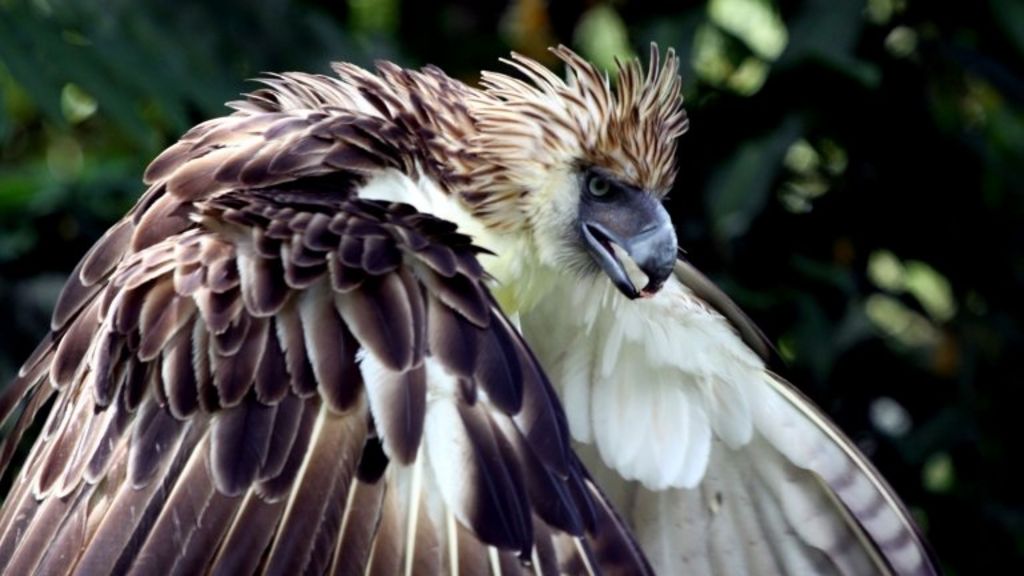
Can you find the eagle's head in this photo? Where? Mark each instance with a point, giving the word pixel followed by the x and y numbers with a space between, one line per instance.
pixel 582 167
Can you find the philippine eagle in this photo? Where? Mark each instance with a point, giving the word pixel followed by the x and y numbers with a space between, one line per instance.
pixel 386 322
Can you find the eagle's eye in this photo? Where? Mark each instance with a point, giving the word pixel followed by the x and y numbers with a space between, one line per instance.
pixel 598 186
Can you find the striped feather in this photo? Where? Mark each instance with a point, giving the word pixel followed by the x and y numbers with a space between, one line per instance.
pixel 252 529
pixel 359 525
pixel 718 465
pixel 328 469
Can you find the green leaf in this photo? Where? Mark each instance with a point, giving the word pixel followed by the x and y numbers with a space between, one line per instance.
pixel 755 22
pixel 602 37
pixel 739 189
pixel 676 31
pixel 828 31
pixel 16 54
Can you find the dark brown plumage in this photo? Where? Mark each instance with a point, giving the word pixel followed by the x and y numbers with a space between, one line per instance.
pixel 248 370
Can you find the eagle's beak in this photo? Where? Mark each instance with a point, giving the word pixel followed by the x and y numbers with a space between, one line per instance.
pixel 636 222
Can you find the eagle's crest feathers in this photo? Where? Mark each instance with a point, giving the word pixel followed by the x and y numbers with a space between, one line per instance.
pixel 535 125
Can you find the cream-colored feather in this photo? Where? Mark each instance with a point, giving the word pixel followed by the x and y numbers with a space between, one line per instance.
pixel 771 487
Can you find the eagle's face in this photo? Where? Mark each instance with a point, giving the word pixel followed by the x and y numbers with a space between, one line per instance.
pixel 613 215
pixel 593 222
pixel 586 164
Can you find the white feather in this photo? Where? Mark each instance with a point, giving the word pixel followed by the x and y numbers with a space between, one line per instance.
pixel 698 449
pixel 709 455
pixel 448 450
pixel 575 375
pixel 638 354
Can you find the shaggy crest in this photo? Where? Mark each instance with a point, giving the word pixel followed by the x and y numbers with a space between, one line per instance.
pixel 491 146
pixel 530 127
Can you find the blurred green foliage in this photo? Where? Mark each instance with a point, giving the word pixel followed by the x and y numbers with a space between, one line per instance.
pixel 853 176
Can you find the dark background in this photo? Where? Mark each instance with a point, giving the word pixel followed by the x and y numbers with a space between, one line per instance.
pixel 853 176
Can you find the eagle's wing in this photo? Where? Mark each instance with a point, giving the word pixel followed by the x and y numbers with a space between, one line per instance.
pixel 257 371
pixel 720 466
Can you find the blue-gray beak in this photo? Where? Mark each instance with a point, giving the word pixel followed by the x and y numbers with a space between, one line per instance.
pixel 636 222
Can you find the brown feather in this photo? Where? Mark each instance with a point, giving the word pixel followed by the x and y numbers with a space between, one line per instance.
pixel 38 535
pixel 84 446
pixel 166 217
pixel 240 440
pixel 472 554
pixel 30 404
pixel 130 513
pixel 202 546
pixel 551 495
pixel 42 353
pixel 380 256
pixel 73 346
pixel 544 549
pixel 106 253
pixel 398 402
pixel 291 455
pixel 234 374
pixel 288 417
pixel 332 348
pixel 502 368
pixel 499 511
pixel 292 339
pixel 463 294
pixel 272 379
pixel 163 315
pixel 350 250
pixel 380 315
pixel 386 556
pixel 178 375
pixel 541 417
pixel 186 534
pixel 111 437
pixel 317 234
pixel 73 297
pixel 138 378
pixel 228 342
pixel 107 365
pixel 127 309
pixel 249 536
pixel 267 291
pixel 359 526
pixel 318 500
pixel 65 548
pixel 440 258
pixel 20 508
pixel 155 435
pixel 612 546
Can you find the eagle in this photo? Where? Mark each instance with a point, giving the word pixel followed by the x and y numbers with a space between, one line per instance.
pixel 385 322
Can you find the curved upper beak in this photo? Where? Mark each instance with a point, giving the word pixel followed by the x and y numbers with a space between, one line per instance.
pixel 636 222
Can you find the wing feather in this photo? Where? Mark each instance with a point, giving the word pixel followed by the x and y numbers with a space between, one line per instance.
pixel 360 522
pixel 253 528
pixel 328 469
pixel 188 510
pixel 240 441
pixel 720 466
pixel 203 423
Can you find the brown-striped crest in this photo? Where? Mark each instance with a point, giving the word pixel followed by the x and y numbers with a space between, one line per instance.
pixel 533 127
